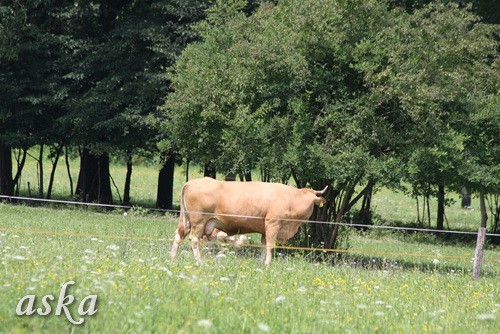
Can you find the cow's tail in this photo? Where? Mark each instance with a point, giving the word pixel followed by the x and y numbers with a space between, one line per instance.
pixel 183 227
pixel 184 214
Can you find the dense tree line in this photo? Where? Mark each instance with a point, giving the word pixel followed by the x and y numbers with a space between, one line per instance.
pixel 88 75
pixel 353 94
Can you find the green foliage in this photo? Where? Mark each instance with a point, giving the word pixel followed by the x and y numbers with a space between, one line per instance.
pixel 440 65
pixel 264 90
pixel 350 96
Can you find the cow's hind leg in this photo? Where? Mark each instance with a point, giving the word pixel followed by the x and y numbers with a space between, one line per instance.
pixel 180 234
pixel 195 245
pixel 195 236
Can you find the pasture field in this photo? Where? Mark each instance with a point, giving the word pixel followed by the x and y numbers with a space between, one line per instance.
pixel 124 260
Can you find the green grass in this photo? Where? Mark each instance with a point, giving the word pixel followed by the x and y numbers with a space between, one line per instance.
pixel 397 208
pixel 141 291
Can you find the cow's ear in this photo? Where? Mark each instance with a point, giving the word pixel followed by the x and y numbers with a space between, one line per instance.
pixel 320 201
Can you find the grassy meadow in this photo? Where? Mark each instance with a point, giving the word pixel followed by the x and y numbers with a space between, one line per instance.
pixel 141 290
pixel 389 282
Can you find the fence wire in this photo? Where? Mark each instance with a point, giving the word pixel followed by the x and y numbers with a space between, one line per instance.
pixel 324 250
pixel 125 207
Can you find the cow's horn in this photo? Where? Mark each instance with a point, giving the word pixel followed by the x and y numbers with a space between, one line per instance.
pixel 319 193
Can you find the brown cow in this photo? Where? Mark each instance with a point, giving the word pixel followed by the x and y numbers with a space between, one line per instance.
pixel 272 209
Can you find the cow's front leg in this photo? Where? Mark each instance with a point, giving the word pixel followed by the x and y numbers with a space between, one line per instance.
pixel 263 253
pixel 272 227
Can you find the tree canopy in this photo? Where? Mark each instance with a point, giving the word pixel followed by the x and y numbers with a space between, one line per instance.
pixel 335 92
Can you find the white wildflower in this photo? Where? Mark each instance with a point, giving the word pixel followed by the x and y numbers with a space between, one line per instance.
pixel 113 247
pixel 302 289
pixel 279 299
pixel 263 327
pixel 486 317
pixel 165 269
pixel 205 323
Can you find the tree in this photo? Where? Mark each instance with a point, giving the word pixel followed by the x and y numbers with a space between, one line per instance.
pixel 29 110
pixel 430 61
pixel 277 90
pixel 118 77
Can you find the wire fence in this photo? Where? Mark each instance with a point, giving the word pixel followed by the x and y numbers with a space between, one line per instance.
pixel 323 250
pixel 125 207
pixel 361 252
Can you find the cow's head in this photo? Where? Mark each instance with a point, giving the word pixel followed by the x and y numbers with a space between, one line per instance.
pixel 320 201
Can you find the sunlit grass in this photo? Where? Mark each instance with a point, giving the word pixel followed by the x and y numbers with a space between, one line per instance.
pixel 141 291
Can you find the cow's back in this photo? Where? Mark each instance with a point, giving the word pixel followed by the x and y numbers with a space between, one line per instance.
pixel 238 198
pixel 239 207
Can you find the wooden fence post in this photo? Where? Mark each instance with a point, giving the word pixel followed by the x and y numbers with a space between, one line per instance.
pixel 478 257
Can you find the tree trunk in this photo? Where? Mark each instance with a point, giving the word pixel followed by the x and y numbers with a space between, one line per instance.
pixel 493 202
pixel 365 216
pixel 466 198
pixel 344 207
pixel 6 185
pixel 440 208
pixel 93 180
pixel 164 197
pixel 248 176
pixel 128 177
pixel 53 171
pixel 104 194
pixel 40 171
pixel 209 171
pixel 428 210
pixel 20 165
pixel 484 214
pixel 69 171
